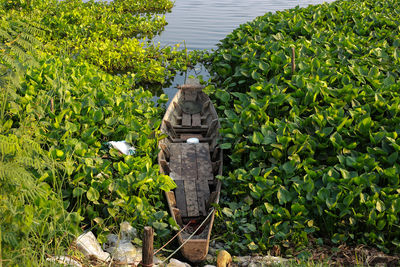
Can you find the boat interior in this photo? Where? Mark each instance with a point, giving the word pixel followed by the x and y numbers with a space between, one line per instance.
pixel 193 167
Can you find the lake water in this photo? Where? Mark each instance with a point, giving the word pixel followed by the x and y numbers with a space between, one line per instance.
pixel 202 24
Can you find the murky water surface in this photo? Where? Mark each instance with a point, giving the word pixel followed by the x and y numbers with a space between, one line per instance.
pixel 201 24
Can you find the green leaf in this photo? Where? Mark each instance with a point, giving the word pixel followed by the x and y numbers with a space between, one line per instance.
pixel 78 191
pixel 113 211
pixel 269 207
pixel 284 196
pixel 159 225
pixel 289 167
pixel 365 125
pixel 393 157
pixel 92 194
pixel 381 225
pixel 159 215
pixel 252 246
pixel 226 56
pixel 380 206
pixel 226 146
pixel 98 116
pixel 258 138
pixel 223 95
pixel 237 128
pixel 227 212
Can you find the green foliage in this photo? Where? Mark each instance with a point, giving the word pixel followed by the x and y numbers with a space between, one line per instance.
pixel 17 43
pixel 70 108
pixel 90 108
pixel 114 36
pixel 32 213
pixel 314 152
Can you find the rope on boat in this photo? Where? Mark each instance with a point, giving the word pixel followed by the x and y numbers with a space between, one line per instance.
pixel 208 216
pixel 180 231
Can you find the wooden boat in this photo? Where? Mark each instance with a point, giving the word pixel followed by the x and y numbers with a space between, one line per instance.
pixel 193 167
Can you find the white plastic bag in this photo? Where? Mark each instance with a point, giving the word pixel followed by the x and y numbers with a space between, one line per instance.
pixel 123 147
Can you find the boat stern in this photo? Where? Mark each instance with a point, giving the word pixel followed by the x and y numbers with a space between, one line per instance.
pixel 195 250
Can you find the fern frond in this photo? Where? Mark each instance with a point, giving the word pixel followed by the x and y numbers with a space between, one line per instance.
pixel 14 174
pixel 11 61
pixel 24 44
pixel 8 144
pixel 4 35
pixel 18 42
pixel 31 39
pixel 9 238
pixel 18 156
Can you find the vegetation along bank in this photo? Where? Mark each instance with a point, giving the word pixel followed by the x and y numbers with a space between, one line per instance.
pixel 311 155
pixel 314 154
pixel 73 76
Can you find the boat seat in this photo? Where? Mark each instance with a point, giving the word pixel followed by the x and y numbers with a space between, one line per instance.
pixel 191 120
pixel 191 169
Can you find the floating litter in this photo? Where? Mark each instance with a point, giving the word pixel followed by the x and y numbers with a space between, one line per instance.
pixel 123 147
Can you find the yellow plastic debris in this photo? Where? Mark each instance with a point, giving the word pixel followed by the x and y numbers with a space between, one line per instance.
pixel 224 259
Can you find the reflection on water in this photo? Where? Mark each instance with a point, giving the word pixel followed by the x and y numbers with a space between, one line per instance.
pixel 202 24
pixel 179 79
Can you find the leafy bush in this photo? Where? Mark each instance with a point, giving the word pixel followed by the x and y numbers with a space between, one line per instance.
pixel 109 36
pixel 316 152
pixel 32 214
pixel 71 108
pixel 90 108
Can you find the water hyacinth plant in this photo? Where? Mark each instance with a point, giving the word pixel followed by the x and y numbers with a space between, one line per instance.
pixel 314 153
pixel 69 99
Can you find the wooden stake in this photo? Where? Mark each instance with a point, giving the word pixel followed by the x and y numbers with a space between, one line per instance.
pixel 147 252
pixel 293 60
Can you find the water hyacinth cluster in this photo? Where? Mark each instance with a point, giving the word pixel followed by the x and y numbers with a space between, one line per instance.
pixel 314 152
pixel 69 101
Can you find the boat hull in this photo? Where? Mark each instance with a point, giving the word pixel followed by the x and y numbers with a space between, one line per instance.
pixel 193 167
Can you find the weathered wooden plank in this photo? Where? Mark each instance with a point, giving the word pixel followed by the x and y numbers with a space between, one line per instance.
pixel 213 128
pixel 190 135
pixel 190 86
pixel 165 150
pixel 170 129
pixel 215 153
pixel 191 130
pixel 189 164
pixel 186 119
pixel 196 120
pixel 164 166
pixel 204 167
pixel 180 197
pixel 203 193
pixel 215 166
pixel 175 161
pixel 191 198
pixel 171 198
pixel 178 216
pixel 178 108
pixel 205 107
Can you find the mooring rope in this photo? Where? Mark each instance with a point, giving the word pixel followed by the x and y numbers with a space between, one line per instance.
pixel 180 231
pixel 208 216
